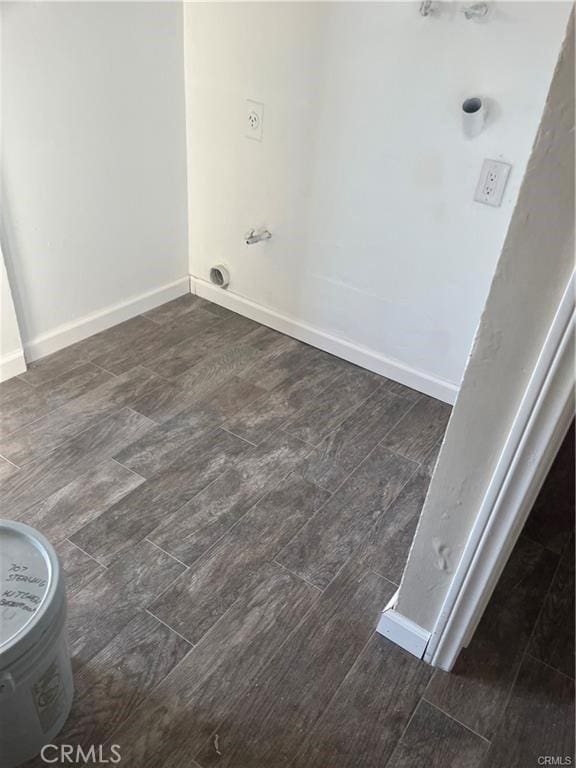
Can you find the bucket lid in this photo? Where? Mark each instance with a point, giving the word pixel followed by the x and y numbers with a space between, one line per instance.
pixel 31 590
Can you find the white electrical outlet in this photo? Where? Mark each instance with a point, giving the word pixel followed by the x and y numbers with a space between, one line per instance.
pixel 254 120
pixel 492 182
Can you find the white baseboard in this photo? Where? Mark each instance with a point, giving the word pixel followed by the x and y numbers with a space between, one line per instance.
pixel 402 631
pixel 354 353
pixel 12 364
pixel 77 330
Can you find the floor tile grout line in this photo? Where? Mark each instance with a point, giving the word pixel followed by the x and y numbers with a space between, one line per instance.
pixel 172 516
pixel 181 390
pixel 373 449
pixel 221 620
pixel 278 651
pixel 136 474
pixel 287 636
pixel 198 404
pixel 49 412
pixel 320 508
pixel 541 609
pixel 381 575
pixel 124 347
pixel 44 388
pixel 377 445
pixel 52 411
pixel 78 364
pixel 410 719
pixel 168 586
pixel 405 415
pixel 229 431
pixel 455 719
pixel 192 309
pixel 169 555
pixel 297 576
pixel 540 544
pixel 162 379
pixel 262 671
pixel 101 367
pixel 268 358
pixel 142 416
pixel 384 578
pixel 310 445
pixel 322 391
pixel 199 433
pixel 428 453
pixel 274 433
pixel 524 654
pixel 286 422
pixel 404 731
pixel 416 467
pixel 83 361
pixel 549 666
pixel 100 460
pixel 69 540
pixel 20 380
pixel 157 685
pixel 383 512
pixel 9 462
pixel 396 452
pixel 190 643
pixel 210 550
pixel 25 467
pixel 333 495
pixel 145 315
pixel 536 621
pixel 209 355
pixel 342 417
pixel 321 716
pixel 202 401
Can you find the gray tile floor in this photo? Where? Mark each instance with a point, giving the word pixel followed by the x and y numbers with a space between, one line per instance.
pixel 233 509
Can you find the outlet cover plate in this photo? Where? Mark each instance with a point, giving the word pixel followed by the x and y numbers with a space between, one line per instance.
pixel 492 182
pixel 254 120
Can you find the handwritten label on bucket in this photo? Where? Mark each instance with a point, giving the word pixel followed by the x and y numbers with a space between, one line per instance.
pixel 22 594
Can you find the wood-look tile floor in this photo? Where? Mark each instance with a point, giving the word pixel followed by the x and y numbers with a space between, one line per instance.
pixel 233 509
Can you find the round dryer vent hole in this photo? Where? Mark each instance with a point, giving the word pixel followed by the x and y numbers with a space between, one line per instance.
pixel 219 276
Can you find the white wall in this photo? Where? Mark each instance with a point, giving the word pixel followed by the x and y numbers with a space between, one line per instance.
pixel 93 158
pixel 363 176
pixel 532 274
pixel 11 352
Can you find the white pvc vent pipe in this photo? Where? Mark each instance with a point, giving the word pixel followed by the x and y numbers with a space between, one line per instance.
pixel 220 276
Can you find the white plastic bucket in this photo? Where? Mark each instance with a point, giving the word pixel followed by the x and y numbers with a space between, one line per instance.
pixel 36 686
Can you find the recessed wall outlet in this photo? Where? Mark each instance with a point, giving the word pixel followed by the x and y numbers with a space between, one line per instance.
pixel 254 120
pixel 492 182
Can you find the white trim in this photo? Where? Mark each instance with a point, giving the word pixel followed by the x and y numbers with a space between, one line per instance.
pixel 354 353
pixel 535 436
pixel 12 364
pixel 77 330
pixel 402 631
